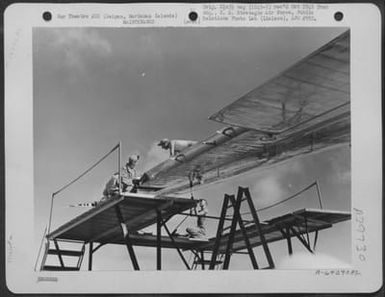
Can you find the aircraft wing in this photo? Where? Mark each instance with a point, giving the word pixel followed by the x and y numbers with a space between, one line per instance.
pixel 317 84
pixel 303 110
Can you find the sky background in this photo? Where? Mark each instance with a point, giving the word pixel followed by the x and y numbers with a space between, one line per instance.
pixel 94 87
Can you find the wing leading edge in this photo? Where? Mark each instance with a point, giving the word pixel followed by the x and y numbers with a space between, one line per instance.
pixel 303 110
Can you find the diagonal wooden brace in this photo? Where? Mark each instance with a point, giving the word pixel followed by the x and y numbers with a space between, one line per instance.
pixel 126 236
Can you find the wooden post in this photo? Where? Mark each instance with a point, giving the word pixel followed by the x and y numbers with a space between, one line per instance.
pixel 158 241
pixel 288 238
pixel 306 245
pixel 319 194
pixel 130 249
pixel 90 252
pixel 59 253
pixel 119 168
pixel 175 245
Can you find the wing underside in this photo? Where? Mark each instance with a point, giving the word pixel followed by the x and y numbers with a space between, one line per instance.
pixel 315 85
pixel 303 110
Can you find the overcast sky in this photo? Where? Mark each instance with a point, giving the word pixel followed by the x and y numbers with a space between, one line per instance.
pixel 95 87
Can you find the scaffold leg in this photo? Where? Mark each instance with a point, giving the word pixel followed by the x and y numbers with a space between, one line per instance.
pixel 126 236
pixel 90 252
pixel 176 247
pixel 158 241
pixel 305 244
pixel 286 234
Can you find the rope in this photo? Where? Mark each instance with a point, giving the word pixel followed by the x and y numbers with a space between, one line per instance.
pixel 75 180
pixel 88 170
pixel 319 195
pixel 50 215
pixel 191 178
pixel 228 217
pixel 191 211
pixel 282 201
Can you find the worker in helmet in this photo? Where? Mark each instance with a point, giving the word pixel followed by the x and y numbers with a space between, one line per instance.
pixel 199 232
pixel 128 179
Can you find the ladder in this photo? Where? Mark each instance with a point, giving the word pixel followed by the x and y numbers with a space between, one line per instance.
pixel 53 250
pixel 231 202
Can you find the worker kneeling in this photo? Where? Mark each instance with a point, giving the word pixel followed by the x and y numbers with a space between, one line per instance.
pixel 128 180
pixel 199 232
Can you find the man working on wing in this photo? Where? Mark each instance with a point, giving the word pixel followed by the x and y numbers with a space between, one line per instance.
pixel 175 146
pixel 128 179
pixel 199 232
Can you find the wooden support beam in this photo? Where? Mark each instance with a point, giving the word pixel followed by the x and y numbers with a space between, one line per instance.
pixel 307 230
pixel 126 236
pixel 306 245
pixel 286 233
pixel 98 247
pixel 315 240
pixel 90 252
pixel 59 253
pixel 176 247
pixel 80 260
pixel 289 244
pixel 158 241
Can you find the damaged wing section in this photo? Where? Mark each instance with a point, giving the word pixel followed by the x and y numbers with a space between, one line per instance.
pixel 303 110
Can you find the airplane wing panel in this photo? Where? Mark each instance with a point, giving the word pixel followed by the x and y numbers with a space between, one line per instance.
pixel 303 110
pixel 252 149
pixel 316 84
pixel 214 156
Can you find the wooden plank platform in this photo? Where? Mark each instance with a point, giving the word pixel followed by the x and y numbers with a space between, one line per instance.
pixel 316 219
pixel 140 212
pixel 303 220
pixel 100 224
pixel 150 240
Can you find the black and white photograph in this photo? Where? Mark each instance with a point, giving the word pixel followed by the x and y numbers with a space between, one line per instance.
pixel 230 148
pixel 152 144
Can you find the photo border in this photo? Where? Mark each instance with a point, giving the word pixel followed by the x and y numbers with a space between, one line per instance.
pixel 372 71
